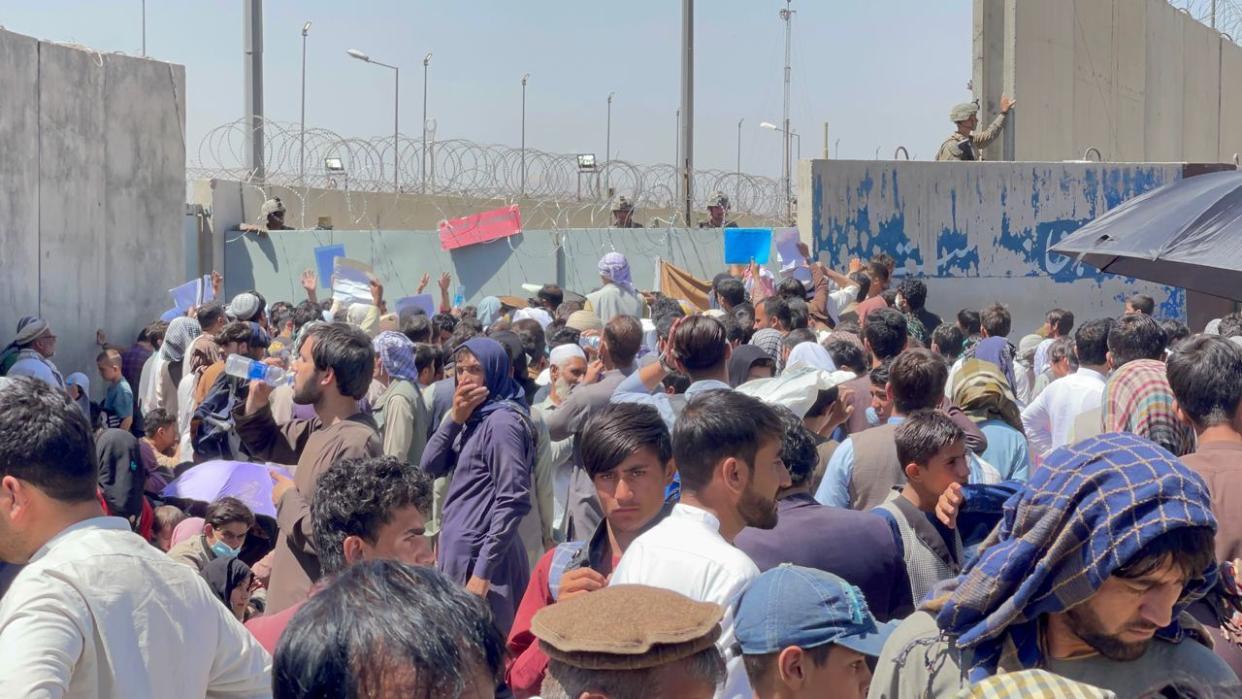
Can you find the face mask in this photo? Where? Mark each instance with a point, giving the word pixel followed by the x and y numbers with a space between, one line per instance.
pixel 223 550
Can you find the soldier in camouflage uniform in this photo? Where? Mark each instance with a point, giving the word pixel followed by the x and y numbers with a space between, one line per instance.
pixel 717 206
pixel 623 214
pixel 966 144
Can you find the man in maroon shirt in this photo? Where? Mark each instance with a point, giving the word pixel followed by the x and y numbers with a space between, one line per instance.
pixel 879 274
pixel 626 450
pixel 362 509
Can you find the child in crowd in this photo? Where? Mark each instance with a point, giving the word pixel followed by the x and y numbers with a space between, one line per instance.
pixel 933 451
pixel 118 404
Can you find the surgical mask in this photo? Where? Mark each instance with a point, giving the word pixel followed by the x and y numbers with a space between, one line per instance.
pixel 223 550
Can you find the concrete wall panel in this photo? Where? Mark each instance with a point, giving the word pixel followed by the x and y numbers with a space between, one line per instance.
pixel 19 170
pixel 1130 80
pixel 1200 92
pixel 72 198
pixel 1043 68
pixel 94 190
pixel 1137 79
pixel 1231 101
pixel 1094 99
pixel 144 141
pixel 981 231
pixel 273 263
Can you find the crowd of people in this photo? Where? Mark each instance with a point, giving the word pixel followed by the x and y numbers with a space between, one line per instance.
pixel 811 487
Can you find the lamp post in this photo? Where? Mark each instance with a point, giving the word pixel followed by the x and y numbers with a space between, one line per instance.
pixel 144 28
pixel 302 133
pixel 788 134
pixel 525 77
pixel 786 16
pixel 396 104
pixel 426 62
pixel 737 191
pixel 608 149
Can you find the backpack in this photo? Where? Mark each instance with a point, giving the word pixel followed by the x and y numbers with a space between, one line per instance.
pixel 212 431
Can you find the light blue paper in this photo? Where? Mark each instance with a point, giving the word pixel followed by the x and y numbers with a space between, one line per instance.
pixel 170 314
pixel 423 301
pixel 742 245
pixel 187 295
pixel 351 281
pixel 324 257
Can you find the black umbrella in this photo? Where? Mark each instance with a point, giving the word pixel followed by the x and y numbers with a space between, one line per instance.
pixel 1186 234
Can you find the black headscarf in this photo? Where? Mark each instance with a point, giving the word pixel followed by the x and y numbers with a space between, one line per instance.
pixel 121 473
pixel 743 358
pixel 224 575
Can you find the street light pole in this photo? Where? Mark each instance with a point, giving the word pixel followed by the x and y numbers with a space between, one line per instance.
pixel 302 133
pixel 787 16
pixel 524 79
pixel 687 107
pixel 426 62
pixel 608 149
pixel 737 190
pixel 396 105
pixel 144 28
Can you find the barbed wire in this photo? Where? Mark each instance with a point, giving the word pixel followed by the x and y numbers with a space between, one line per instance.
pixel 1228 19
pixel 462 168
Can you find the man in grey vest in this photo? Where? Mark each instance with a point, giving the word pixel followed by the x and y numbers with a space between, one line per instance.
pixel 865 468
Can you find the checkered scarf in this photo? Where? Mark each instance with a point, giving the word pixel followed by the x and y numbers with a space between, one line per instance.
pixel 1138 399
pixel 396 353
pixel 769 341
pixel 1085 513
pixel 983 392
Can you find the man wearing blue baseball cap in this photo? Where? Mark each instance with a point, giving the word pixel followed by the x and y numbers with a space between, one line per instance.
pixel 807 633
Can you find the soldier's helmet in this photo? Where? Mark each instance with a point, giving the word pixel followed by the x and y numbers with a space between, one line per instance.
pixel 963 111
pixel 718 199
pixel 623 204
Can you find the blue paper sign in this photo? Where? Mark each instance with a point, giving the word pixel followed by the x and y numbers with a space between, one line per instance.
pixel 741 245
pixel 324 256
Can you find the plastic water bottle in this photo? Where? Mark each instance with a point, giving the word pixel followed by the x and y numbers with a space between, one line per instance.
pixel 459 298
pixel 246 368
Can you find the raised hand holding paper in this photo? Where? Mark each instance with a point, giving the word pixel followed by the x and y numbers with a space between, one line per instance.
pixel 742 245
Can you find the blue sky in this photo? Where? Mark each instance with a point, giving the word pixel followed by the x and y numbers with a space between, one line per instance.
pixel 882 73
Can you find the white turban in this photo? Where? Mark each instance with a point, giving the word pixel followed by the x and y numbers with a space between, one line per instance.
pixel 563 353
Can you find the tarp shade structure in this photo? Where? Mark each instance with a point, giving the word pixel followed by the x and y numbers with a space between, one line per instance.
pixel 1187 234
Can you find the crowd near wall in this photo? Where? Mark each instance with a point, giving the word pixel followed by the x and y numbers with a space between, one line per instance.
pixel 94 182
pixel 980 232
pixel 1137 79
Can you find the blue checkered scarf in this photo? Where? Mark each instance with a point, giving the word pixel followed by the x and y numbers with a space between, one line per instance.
pixel 396 352
pixel 1084 513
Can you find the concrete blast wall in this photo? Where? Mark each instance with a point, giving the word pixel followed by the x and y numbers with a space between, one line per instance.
pixel 979 233
pixel 1137 79
pixel 229 203
pixel 273 263
pixel 94 186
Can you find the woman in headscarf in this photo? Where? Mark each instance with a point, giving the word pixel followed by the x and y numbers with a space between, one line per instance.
pixel 1139 400
pixel 121 474
pixel 488 311
pixel 365 316
pixel 400 410
pixel 488 443
pixel 810 354
pixel 749 362
pixel 983 393
pixel 229 578
pixel 617 297
pixel 996 350
pixel 79 389
pixel 181 332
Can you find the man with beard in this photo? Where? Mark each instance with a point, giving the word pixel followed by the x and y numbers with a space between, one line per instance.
pixel 331 371
pixel 727 449
pixel 567 365
pixel 1087 576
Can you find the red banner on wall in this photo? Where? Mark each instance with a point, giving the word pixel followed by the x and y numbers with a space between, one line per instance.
pixel 480 228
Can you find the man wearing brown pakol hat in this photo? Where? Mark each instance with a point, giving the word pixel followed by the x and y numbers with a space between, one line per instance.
pixel 631 641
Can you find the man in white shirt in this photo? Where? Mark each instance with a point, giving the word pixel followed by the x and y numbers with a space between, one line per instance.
pixel 1049 420
pixel 727 449
pixel 36 345
pixel 97 611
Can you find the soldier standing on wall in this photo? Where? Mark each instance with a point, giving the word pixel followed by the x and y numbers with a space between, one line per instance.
pixel 717 206
pixel 623 214
pixel 966 143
